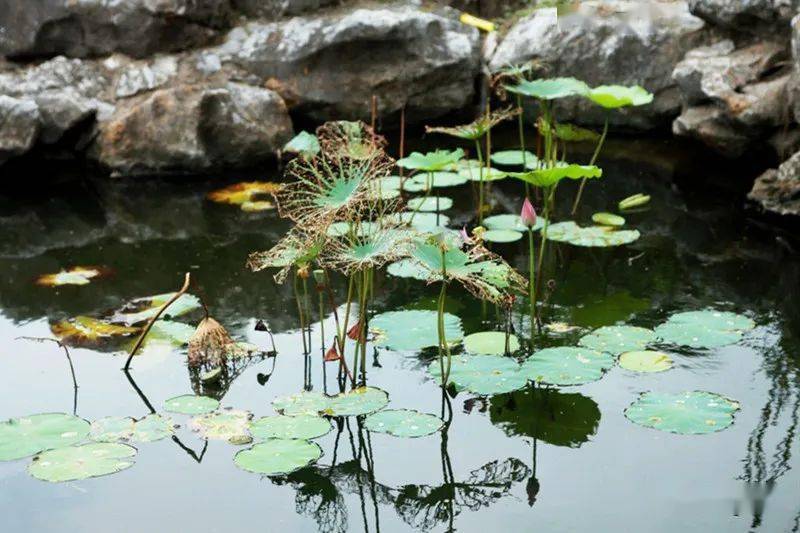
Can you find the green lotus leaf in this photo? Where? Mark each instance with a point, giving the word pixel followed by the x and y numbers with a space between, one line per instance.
pixel 151 428
pixel 408 268
pixel 339 229
pixel 686 413
pixel 483 374
pixel 278 456
pixel 290 427
pixel 472 170
pixel 510 222
pixel 143 309
pixel 112 429
pixel 301 403
pixel 431 161
pixel 360 401
pixel 614 96
pixel 550 89
pixel 378 192
pixel 424 181
pixel 573 133
pixel 304 143
pixel 430 203
pixel 549 416
pixel 189 404
pixel 547 177
pixel 29 435
pixel 403 423
pixel 514 158
pixel 82 462
pixel 608 219
pixel 618 339
pixel 637 200
pixel 645 361
pixel 501 235
pixel 413 330
pixel 696 335
pixel 712 319
pixel 229 425
pixel 490 343
pixel 420 221
pixel 566 365
pixel 169 331
pixel 594 236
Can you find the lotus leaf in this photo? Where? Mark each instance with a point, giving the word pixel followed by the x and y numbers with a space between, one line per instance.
pixel 490 343
pixel 243 193
pixel 712 319
pixel 421 221
pixel 510 222
pixel 608 219
pixel 143 309
pixel 29 435
pixel 614 96
pixel 618 339
pixel 431 203
pixel 278 456
pixel 302 403
pixel 360 401
pixel 501 235
pixel 696 335
pixel 594 236
pixel 413 330
pixel 78 275
pixel 566 365
pixel 636 200
pixel 547 177
pixel 304 143
pixel 550 89
pixel 189 404
pixel 229 425
pixel 408 268
pixel 645 361
pixel 290 427
pixel 403 423
pixel 483 374
pixel 431 161
pixel 88 330
pixel 686 413
pixel 82 462
pixel 513 158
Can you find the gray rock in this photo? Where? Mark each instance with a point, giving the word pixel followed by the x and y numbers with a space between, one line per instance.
pixel 45 28
pixel 146 76
pixel 710 125
pixel 273 9
pixel 329 66
pixel 19 126
pixel 61 111
pixel 778 191
pixel 765 17
pixel 609 42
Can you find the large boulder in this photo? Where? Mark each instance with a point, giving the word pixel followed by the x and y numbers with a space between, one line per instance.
pixel 328 66
pixel 778 191
pixel 19 126
pixel 764 17
pixel 274 9
pixel 193 128
pixel 46 28
pixel 609 42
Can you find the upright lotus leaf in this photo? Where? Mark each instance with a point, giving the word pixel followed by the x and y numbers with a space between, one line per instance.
pixel 360 401
pixel 490 343
pixel 514 158
pixel 407 268
pixel 290 427
pixel 82 462
pixel 244 194
pixel 231 425
pixel 618 339
pixel 645 361
pixel 431 161
pixel 351 140
pixel 413 330
pixel 567 132
pixel 278 456
pixel 375 248
pixel 608 219
pixel 478 127
pixel 85 330
pixel 549 89
pixel 302 403
pixel 510 222
pixel 614 96
pixel 28 435
pixel 296 248
pixel 140 310
pixel 547 177
pixel 566 365
pixel 403 423
pixel 189 404
pixel 686 413
pixel 593 236
pixel 501 235
pixel 483 374
pixel 77 275
pixel 430 204
pixel 304 144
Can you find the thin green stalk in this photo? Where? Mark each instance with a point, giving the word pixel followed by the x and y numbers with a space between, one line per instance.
pixel 307 309
pixel 521 127
pixel 442 337
pixel 428 189
pixel 322 337
pixel 300 312
pixel 343 331
pixel 531 281
pixel 362 335
pixel 479 155
pixel 592 162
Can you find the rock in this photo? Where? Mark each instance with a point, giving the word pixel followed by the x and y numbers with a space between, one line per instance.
pixel 329 66
pixel 778 191
pixel 762 17
pixel 193 128
pixel 609 42
pixel 46 28
pixel 19 125
pixel 146 76
pixel 710 125
pixel 61 111
pixel 273 9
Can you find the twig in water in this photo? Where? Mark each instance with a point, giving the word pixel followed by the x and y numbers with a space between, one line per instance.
pixel 634 258
pixel 69 360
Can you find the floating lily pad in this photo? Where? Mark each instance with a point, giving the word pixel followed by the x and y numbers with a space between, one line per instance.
pixel 687 413
pixel 88 330
pixel 608 219
pixel 431 203
pixel 228 425
pixel 696 335
pixel 510 222
pixel 414 329
pixel 143 309
pixel 78 275
pixel 645 361
pixel 302 403
pixel 618 339
pixel 566 365
pixel 490 343
pixel 501 235
pixel 176 333
pixel 403 423
pixel 189 404
pixel 82 462
pixel 151 428
pixel 513 158
pixel 593 236
pixel 242 193
pixel 724 320
pixel 28 435
pixel 112 429
pixel 376 192
pixel 278 456
pixel 421 221
pixel 290 427
pixel 360 401
pixel 483 374
pixel 476 172
pixel 408 268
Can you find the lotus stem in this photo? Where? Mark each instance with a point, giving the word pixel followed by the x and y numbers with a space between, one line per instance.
pixel 300 312
pixel 187 280
pixel 521 127
pixel 307 308
pixel 322 336
pixel 343 331
pixel 592 162
pixel 428 188
pixel 549 195
pixel 444 348
pixel 479 155
pixel 531 282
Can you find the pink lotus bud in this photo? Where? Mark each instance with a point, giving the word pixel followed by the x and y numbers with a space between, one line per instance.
pixel 528 214
pixel 465 238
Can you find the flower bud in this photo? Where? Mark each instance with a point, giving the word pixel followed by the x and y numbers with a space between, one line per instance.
pixel 528 214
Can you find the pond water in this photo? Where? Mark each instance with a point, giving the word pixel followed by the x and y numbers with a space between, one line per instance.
pixel 562 459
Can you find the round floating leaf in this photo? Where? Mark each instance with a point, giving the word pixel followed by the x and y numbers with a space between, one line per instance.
pixel 112 429
pixel 695 335
pixel 82 462
pixel 360 401
pixel 78 275
pixel 477 172
pixel 407 268
pixel 143 309
pixel 483 374
pixel 28 435
pixel 151 428
pixel 594 236
pixel 645 361
pixel 88 330
pixel 711 319
pixel 403 423
pixel 431 203
pixel 413 330
pixel 278 456
pixel 302 403
pixel 687 413
pixel 501 235
pixel 618 339
pixel 550 89
pixel 513 158
pixel 567 365
pixel 614 96
pixel 171 332
pixel 431 161
pixel 377 192
pixel 490 343
pixel 422 221
pixel 510 222
pixel 189 404
pixel 608 219
pixel 390 182
pixel 290 427
pixel 230 425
